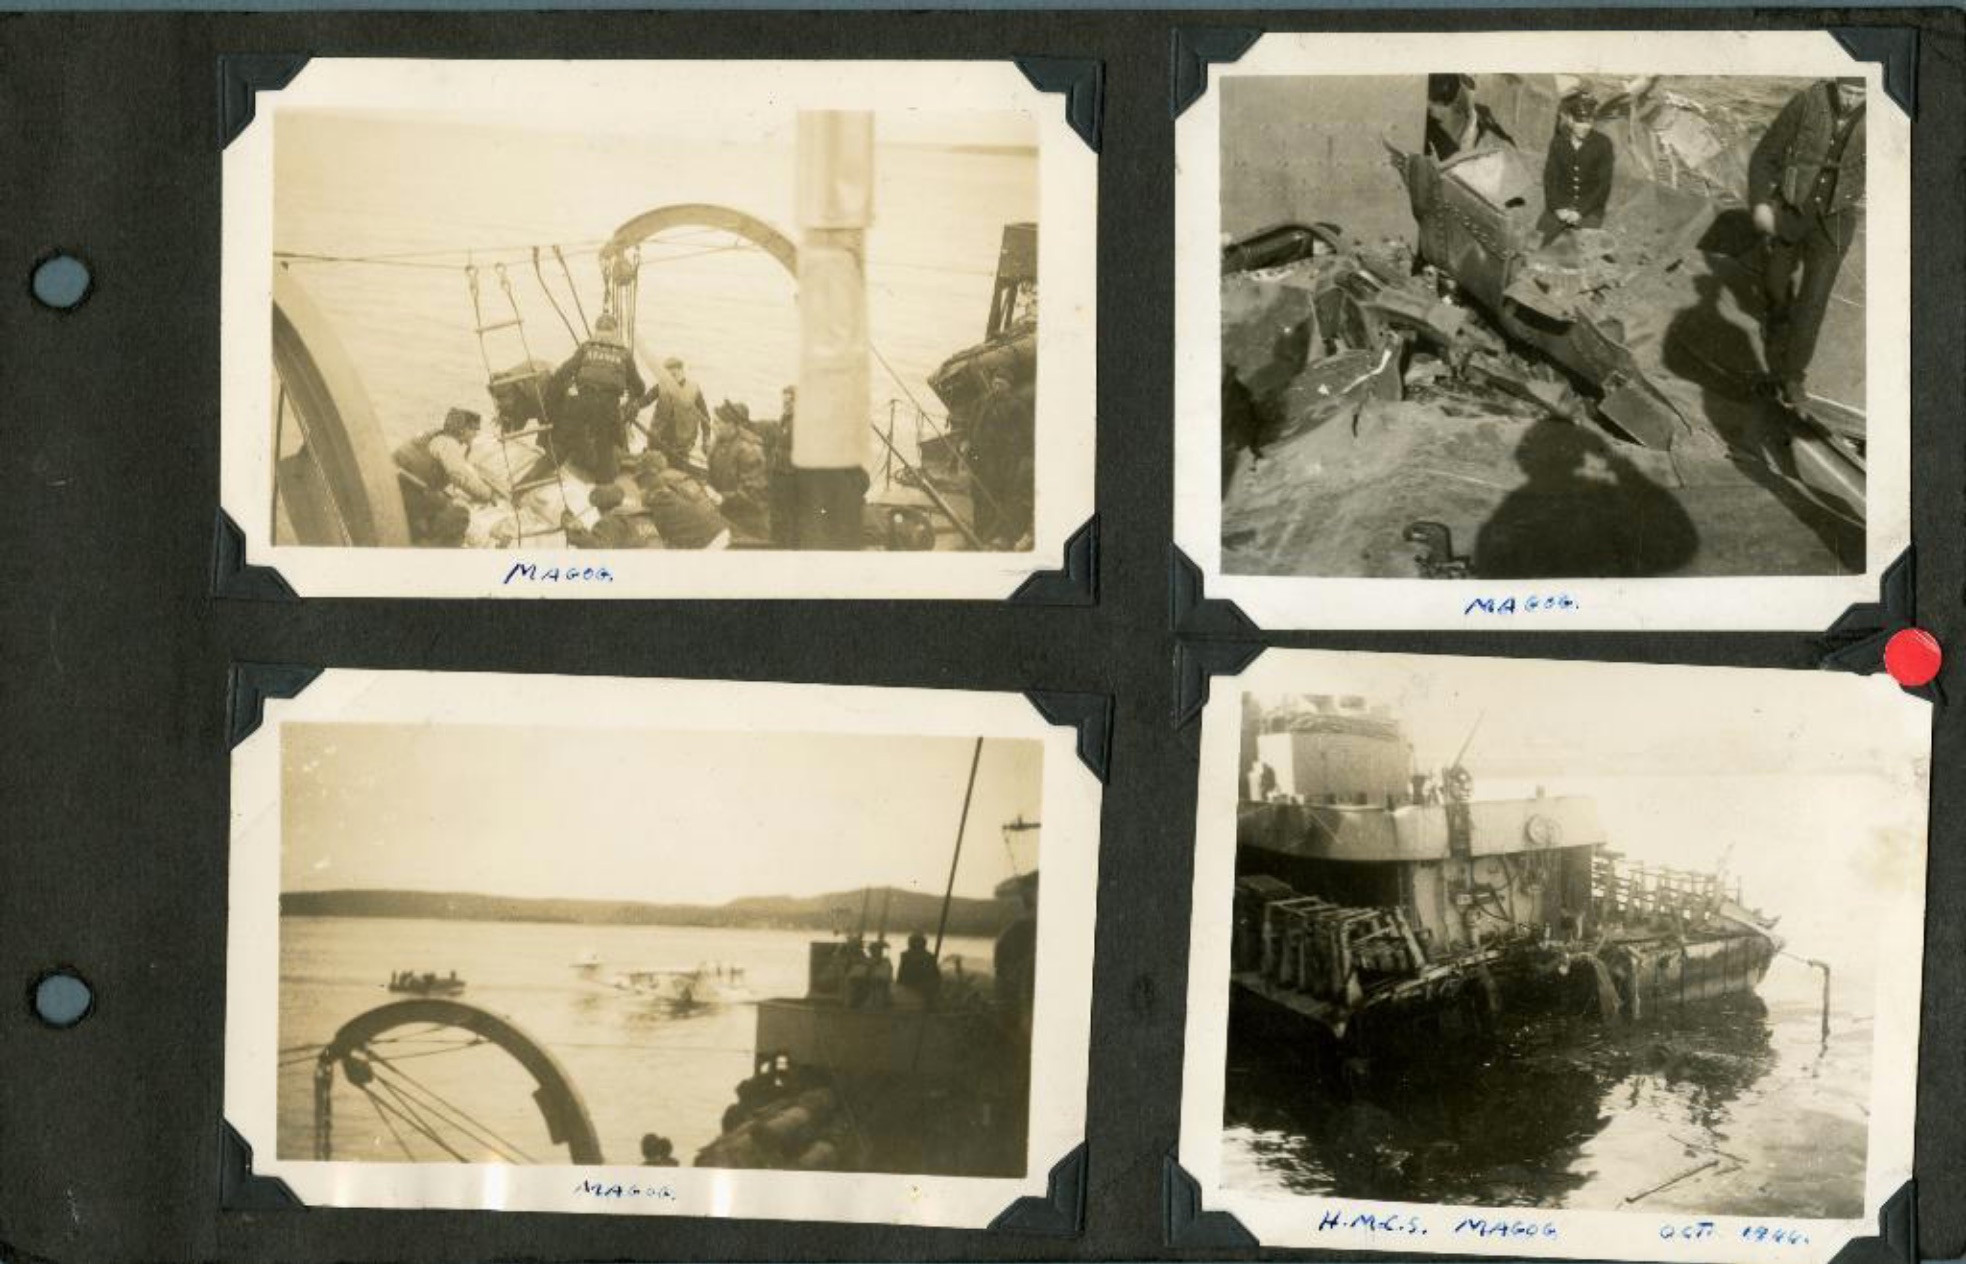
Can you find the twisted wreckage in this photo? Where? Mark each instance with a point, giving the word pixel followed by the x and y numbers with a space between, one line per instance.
pixel 1373 901
pixel 1581 404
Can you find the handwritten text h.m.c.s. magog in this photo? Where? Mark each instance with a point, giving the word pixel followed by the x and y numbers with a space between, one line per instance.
pixel 1412 1224
pixel 533 572
pixel 1510 603
pixel 624 1190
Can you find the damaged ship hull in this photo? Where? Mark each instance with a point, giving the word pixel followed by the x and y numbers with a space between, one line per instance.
pixel 1471 399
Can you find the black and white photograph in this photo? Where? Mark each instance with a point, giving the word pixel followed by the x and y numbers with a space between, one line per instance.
pixel 1577 325
pixel 1558 957
pixel 671 954
pixel 596 325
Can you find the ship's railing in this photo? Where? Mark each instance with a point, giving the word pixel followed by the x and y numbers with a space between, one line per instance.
pixel 1624 891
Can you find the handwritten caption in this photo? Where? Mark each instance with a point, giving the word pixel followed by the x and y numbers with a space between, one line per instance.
pixel 532 572
pixel 1411 1224
pixel 1534 603
pixel 1707 1231
pixel 619 1190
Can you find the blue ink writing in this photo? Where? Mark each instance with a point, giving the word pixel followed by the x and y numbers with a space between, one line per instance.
pixel 1777 1235
pixel 559 574
pixel 1692 1231
pixel 1512 604
pixel 1372 1223
pixel 615 1189
pixel 1482 1227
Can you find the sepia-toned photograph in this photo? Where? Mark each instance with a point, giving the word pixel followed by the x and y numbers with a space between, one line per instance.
pixel 606 325
pixel 1591 321
pixel 664 949
pixel 1562 955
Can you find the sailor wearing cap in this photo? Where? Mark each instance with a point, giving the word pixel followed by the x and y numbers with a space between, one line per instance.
pixel 1806 184
pixel 1577 173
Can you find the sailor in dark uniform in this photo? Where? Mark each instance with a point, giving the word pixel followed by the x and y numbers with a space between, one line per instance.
pixel 1577 173
pixel 1455 121
pixel 585 401
pixel 1805 182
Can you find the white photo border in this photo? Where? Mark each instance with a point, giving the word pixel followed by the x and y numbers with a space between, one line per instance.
pixel 1285 1220
pixel 515 91
pixel 1740 603
pixel 1061 1025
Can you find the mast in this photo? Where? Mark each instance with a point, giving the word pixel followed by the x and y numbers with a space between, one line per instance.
pixel 962 823
pixel 835 179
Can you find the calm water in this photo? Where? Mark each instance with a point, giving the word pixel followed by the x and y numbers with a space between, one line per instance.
pixel 639 1066
pixel 1585 1117
pixel 352 186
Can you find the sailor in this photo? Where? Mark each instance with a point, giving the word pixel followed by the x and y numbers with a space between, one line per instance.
pixel 1806 184
pixel 880 977
pixel 658 1151
pixel 1455 121
pixel 615 528
pixel 738 471
pixel 918 976
pixel 852 961
pixel 1577 173
pixel 1016 955
pixel 586 398
pixel 682 418
pixel 778 464
pixel 681 510
pixel 1002 446
pixel 435 472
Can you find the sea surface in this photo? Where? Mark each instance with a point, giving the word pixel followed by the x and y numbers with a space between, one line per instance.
pixel 1738 1106
pixel 639 1066
pixel 413 197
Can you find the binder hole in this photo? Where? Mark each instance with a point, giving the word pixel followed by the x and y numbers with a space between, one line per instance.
pixel 62 999
pixel 62 281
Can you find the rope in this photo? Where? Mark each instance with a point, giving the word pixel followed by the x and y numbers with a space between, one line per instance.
pixel 457 1117
pixel 540 272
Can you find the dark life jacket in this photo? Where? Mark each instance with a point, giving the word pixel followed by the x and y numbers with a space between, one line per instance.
pixel 603 368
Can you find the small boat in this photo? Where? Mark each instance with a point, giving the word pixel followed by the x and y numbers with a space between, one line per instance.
pixel 428 983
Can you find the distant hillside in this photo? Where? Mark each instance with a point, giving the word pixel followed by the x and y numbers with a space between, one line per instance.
pixel 907 910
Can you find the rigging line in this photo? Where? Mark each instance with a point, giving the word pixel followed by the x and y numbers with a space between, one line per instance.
pixel 976 484
pixel 439 1101
pixel 401 1144
pixel 414 1120
pixel 378 263
pixel 458 1047
pixel 404 1103
pixel 452 1115
pixel 391 256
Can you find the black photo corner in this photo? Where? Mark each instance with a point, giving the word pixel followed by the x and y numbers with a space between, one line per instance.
pixel 144 647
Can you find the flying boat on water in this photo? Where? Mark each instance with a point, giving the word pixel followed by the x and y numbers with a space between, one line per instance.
pixel 1448 389
pixel 678 987
pixel 922 1069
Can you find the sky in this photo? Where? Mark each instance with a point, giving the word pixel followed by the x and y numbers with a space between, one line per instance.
pixel 630 814
pixel 1008 128
pixel 1539 717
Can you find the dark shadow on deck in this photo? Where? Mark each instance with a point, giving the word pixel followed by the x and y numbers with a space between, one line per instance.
pixel 1586 512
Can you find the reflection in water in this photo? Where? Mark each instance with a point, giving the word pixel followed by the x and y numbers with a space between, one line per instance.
pixel 1563 1113
pixel 1585 512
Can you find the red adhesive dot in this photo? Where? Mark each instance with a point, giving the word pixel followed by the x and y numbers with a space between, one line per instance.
pixel 1912 656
